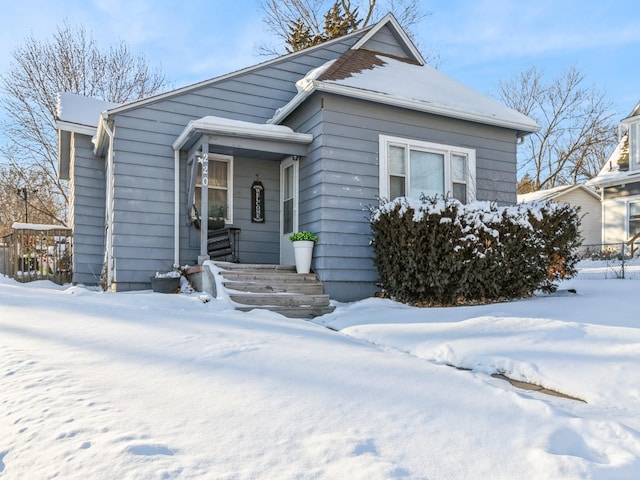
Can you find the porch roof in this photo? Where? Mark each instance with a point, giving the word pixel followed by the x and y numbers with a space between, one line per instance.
pixel 240 135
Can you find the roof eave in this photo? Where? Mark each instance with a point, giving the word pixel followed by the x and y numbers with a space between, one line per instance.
pixel 196 127
pixel 522 129
pixel 75 128
pixel 616 179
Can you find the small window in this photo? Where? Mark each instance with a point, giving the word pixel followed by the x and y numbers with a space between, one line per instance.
pixel 414 168
pixel 634 146
pixel 219 195
pixel 634 219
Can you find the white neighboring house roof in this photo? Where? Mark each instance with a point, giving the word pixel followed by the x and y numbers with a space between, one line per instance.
pixel 77 113
pixel 384 79
pixel 554 193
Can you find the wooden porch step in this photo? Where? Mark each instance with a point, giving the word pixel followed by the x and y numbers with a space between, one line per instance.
pixel 260 276
pixel 281 299
pixel 309 288
pixel 277 288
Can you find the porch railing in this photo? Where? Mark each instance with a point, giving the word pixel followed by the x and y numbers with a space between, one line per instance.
pixel 37 252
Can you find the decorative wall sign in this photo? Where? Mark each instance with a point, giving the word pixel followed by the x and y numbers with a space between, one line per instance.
pixel 257 202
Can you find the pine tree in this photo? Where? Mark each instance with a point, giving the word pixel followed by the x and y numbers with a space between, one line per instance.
pixel 339 20
pixel 300 37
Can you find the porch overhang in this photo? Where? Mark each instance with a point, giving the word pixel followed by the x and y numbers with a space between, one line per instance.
pixel 228 137
pixel 235 137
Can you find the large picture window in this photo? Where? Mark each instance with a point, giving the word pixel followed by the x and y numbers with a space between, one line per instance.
pixel 220 191
pixel 410 168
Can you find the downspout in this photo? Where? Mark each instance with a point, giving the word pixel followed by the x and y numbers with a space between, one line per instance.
pixel 109 201
pixel 176 208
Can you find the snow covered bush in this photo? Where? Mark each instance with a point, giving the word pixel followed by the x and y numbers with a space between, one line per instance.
pixel 439 251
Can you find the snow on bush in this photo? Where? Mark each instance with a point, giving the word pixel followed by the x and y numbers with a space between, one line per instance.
pixel 440 251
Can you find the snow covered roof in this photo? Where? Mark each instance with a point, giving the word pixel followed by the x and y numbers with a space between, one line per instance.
pixel 616 169
pixel 41 227
pixel 225 126
pixel 386 79
pixel 79 113
pixel 553 193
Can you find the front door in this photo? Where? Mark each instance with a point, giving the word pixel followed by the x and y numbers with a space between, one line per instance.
pixel 288 208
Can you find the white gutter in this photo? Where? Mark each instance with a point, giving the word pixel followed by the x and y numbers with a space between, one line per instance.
pixel 108 198
pixel 176 208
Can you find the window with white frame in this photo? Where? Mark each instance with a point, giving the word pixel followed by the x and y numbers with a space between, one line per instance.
pixel 220 185
pixel 634 218
pixel 634 146
pixel 410 168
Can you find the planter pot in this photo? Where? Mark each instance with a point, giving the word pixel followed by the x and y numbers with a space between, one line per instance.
pixel 303 251
pixel 165 284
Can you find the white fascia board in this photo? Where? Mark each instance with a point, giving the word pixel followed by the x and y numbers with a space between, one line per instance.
pixel 204 127
pixel 75 128
pixel 524 128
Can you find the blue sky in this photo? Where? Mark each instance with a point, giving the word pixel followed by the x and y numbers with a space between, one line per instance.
pixel 480 42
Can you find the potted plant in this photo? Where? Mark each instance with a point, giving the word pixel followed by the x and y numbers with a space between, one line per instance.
pixel 303 249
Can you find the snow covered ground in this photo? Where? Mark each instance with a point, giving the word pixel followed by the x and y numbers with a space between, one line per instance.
pixel 145 385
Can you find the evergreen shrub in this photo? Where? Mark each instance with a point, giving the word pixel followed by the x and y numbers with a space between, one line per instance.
pixel 441 252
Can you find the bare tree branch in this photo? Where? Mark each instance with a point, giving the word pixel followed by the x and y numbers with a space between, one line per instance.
pixel 70 62
pixel 281 15
pixel 577 129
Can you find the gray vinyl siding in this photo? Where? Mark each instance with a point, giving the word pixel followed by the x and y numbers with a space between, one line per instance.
pixel 87 208
pixel 339 179
pixel 144 167
pixel 385 41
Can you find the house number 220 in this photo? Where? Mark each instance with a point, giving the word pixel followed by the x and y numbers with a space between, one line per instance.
pixel 205 170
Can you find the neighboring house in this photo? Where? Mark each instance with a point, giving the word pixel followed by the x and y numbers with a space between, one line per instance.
pixel 577 196
pixel 619 185
pixel 326 131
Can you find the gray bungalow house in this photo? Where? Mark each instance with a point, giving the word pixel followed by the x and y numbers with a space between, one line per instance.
pixel 321 133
